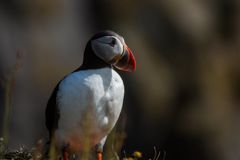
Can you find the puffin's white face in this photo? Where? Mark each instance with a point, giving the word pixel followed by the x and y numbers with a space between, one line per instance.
pixel 108 48
pixel 113 50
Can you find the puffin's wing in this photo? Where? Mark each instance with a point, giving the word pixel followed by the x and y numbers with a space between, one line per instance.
pixel 52 114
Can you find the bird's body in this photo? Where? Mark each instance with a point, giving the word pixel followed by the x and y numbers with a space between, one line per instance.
pixel 90 103
pixel 85 104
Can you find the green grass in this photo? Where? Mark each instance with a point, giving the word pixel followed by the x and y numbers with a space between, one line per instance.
pixel 35 154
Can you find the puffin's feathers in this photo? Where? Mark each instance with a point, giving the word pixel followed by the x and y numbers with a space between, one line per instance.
pixel 52 112
pixel 84 104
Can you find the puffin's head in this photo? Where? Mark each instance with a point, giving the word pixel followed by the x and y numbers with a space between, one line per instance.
pixel 111 48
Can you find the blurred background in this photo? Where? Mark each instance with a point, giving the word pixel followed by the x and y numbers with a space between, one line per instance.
pixel 184 97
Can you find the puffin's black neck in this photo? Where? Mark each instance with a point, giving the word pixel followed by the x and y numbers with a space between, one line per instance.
pixel 91 61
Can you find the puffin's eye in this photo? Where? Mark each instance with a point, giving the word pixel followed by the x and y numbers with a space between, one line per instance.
pixel 113 42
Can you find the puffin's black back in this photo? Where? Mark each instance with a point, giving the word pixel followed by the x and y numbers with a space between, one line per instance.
pixel 52 114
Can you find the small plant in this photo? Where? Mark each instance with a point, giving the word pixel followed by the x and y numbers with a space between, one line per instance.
pixel 157 154
pixel 20 154
pixel 135 156
pixel 8 83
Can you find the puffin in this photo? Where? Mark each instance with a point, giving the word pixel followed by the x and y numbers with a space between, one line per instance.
pixel 85 105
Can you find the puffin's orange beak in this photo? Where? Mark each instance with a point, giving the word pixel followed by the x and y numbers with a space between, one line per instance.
pixel 127 61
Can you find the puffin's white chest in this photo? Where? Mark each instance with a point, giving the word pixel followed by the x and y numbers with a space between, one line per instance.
pixel 89 102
